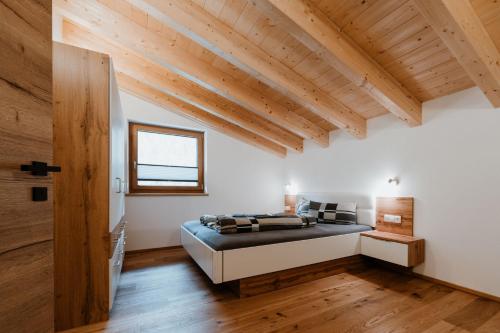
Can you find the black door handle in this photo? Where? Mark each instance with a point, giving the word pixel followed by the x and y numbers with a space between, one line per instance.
pixel 40 168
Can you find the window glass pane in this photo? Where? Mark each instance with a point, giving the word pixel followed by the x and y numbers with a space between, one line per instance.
pixel 165 149
pixel 166 160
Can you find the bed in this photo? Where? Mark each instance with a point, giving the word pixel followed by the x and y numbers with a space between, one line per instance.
pixel 232 257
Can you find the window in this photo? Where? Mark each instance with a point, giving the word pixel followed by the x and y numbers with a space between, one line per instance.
pixel 166 160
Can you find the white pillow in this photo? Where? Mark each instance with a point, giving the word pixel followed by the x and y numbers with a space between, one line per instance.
pixel 366 217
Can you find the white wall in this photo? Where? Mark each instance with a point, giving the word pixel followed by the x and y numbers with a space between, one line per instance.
pixel 451 165
pixel 239 178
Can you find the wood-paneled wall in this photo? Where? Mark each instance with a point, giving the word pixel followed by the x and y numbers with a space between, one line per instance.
pixel 400 206
pixel 26 237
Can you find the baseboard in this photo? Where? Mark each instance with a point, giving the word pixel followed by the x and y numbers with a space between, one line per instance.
pixel 166 248
pixel 456 286
pixel 409 271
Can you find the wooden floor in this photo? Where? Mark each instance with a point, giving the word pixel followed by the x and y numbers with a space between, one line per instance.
pixel 164 291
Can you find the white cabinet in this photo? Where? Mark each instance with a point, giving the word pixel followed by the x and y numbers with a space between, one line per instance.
pixel 116 153
pixel 398 249
pixel 396 253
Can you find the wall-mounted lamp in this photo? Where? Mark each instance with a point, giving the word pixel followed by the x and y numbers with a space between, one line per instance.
pixel 291 189
pixel 393 180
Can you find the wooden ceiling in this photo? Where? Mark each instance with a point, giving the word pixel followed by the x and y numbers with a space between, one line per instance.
pixel 275 72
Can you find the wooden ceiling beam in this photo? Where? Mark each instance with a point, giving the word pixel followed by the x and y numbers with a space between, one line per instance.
pixel 315 30
pixel 102 21
pixel 136 66
pixel 152 95
pixel 194 22
pixel 461 29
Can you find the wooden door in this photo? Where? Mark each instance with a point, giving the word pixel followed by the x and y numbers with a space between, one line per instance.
pixel 26 234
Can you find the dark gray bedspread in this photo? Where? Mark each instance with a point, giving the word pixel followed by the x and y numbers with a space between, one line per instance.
pixel 221 242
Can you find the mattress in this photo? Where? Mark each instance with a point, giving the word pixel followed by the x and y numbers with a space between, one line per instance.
pixel 220 242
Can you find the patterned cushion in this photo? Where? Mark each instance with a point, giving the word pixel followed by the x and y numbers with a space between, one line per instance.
pixel 338 213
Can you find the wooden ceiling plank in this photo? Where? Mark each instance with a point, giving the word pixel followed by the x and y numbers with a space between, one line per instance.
pixel 136 66
pixel 296 52
pixel 391 23
pixel 425 51
pixel 259 30
pixel 199 25
pixel 328 76
pixel 247 20
pixel 275 41
pixel 148 93
pixel 438 70
pixel 394 49
pixel 232 11
pixel 214 7
pixel 460 28
pixel 114 26
pixel 413 70
pixel 367 32
pixel 399 34
pixel 440 80
pixel 346 13
pixel 308 24
pixel 449 88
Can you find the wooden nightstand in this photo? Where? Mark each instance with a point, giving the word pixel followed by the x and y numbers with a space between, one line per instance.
pixel 290 201
pixel 402 250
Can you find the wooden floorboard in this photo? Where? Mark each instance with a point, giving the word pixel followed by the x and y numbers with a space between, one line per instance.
pixel 164 291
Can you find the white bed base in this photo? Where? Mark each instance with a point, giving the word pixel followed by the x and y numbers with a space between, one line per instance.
pixel 229 265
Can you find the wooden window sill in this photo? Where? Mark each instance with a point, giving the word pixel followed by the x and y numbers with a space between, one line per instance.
pixel 166 194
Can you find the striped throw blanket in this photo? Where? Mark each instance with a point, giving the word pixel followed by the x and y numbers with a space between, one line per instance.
pixel 225 224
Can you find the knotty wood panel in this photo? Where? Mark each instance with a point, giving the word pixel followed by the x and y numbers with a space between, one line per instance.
pixel 313 28
pixel 388 30
pixel 25 136
pixel 395 206
pixel 26 260
pixel 26 288
pixel 243 53
pixel 81 148
pixel 489 12
pixel 276 40
pixel 461 29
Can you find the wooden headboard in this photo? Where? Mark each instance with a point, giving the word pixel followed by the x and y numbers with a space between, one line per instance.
pixel 402 206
